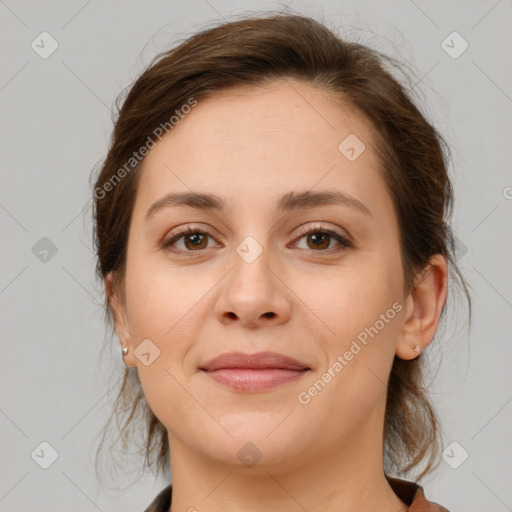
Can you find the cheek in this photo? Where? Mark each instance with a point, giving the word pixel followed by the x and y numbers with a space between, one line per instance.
pixel 346 392
pixel 357 297
pixel 362 307
pixel 160 308
pixel 157 297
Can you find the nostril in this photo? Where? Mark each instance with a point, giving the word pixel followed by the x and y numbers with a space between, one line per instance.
pixel 270 314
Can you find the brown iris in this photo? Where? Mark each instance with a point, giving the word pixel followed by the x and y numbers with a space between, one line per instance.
pixel 196 239
pixel 322 237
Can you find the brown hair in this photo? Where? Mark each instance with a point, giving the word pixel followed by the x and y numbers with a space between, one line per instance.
pixel 255 51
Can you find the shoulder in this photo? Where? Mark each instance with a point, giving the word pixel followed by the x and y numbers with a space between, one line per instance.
pixel 413 495
pixel 162 502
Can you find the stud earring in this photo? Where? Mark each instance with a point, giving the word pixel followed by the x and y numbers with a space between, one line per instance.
pixel 124 351
pixel 417 348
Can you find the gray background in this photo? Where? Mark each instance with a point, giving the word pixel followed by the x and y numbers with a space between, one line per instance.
pixel 56 122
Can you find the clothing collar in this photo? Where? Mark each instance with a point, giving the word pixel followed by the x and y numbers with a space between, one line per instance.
pixel 410 493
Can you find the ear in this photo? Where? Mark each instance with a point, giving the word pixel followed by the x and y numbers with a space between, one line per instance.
pixel 118 304
pixel 423 307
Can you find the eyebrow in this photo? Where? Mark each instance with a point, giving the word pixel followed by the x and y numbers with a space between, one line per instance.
pixel 290 201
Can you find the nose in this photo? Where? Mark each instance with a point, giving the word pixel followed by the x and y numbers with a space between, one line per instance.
pixel 254 294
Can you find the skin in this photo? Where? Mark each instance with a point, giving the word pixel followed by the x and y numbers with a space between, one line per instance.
pixel 249 147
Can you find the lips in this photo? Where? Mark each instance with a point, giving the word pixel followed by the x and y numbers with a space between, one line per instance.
pixel 258 361
pixel 254 372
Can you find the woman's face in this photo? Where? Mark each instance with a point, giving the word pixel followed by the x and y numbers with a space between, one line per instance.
pixel 261 275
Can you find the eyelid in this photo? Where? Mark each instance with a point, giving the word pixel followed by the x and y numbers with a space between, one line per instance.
pixel 182 231
pixel 306 230
pixel 344 241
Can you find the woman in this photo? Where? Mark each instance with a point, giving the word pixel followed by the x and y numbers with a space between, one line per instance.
pixel 271 225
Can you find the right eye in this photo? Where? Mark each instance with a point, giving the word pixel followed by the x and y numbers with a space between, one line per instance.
pixel 194 239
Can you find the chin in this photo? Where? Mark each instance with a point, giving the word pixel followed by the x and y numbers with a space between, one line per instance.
pixel 256 446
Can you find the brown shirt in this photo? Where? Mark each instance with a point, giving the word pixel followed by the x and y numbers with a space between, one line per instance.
pixel 409 492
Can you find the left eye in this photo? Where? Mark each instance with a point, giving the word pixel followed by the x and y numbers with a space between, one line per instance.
pixel 317 238
pixel 320 238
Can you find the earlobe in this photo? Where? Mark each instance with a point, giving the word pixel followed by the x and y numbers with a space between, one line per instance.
pixel 120 321
pixel 423 309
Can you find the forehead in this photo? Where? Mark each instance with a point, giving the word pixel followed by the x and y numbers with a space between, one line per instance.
pixel 271 114
pixel 264 140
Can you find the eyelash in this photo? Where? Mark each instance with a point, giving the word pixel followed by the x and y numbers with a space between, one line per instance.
pixel 189 230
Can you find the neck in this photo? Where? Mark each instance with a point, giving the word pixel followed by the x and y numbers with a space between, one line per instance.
pixel 343 476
